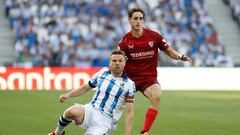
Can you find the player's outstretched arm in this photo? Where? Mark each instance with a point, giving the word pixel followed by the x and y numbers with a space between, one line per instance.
pixel 129 118
pixel 75 92
pixel 176 55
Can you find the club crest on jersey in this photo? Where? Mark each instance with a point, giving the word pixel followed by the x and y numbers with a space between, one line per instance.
pixel 122 85
pixel 130 46
pixel 151 43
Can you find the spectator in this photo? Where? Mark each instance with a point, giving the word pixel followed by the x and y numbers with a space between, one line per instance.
pixel 62 25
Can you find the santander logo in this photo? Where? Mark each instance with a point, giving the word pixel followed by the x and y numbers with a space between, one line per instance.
pixel 44 78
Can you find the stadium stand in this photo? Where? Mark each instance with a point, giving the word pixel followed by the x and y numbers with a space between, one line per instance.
pixel 234 7
pixel 6 40
pixel 227 28
pixel 82 33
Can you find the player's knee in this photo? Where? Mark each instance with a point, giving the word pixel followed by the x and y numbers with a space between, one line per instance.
pixel 69 113
pixel 75 113
pixel 72 112
pixel 156 98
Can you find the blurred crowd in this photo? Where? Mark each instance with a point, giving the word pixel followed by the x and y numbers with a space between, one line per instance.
pixel 84 32
pixel 234 6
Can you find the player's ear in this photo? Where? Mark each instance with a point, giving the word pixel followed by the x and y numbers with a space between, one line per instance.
pixel 129 19
pixel 125 63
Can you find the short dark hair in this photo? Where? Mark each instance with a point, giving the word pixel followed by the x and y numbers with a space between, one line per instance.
pixel 133 10
pixel 119 52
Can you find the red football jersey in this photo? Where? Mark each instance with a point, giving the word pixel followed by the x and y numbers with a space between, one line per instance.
pixel 142 54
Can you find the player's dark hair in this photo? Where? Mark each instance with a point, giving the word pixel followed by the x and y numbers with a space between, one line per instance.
pixel 119 52
pixel 133 10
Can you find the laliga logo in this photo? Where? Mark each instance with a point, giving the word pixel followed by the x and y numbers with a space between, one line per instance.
pixel 43 80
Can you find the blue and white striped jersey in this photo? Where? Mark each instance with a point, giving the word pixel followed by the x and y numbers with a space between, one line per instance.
pixel 111 93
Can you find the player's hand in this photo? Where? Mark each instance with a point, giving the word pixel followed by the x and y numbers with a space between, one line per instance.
pixel 185 58
pixel 63 97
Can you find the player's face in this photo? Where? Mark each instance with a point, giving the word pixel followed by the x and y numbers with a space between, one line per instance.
pixel 117 63
pixel 136 21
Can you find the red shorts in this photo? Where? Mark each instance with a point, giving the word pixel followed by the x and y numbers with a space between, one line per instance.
pixel 143 84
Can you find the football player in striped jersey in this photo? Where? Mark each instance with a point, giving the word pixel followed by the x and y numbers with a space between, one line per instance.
pixel 114 92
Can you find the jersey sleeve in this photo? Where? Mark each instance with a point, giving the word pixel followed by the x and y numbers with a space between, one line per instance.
pixel 162 43
pixel 93 82
pixel 131 93
pixel 122 45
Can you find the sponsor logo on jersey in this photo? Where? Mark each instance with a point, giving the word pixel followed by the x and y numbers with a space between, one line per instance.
pixel 142 54
pixel 130 46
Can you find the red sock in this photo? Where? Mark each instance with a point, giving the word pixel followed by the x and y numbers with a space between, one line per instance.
pixel 151 114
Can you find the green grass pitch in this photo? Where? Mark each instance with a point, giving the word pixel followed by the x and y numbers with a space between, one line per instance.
pixel 181 113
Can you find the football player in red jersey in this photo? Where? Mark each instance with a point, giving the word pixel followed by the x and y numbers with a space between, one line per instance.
pixel 141 48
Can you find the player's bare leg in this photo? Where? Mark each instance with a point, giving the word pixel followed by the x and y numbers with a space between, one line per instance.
pixel 153 93
pixel 74 113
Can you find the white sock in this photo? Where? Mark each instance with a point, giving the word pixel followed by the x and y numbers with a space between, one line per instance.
pixel 63 122
pixel 59 130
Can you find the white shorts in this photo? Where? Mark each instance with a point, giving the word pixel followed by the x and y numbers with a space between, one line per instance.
pixel 95 122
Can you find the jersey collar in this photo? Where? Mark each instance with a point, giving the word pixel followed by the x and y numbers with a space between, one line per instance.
pixel 143 32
